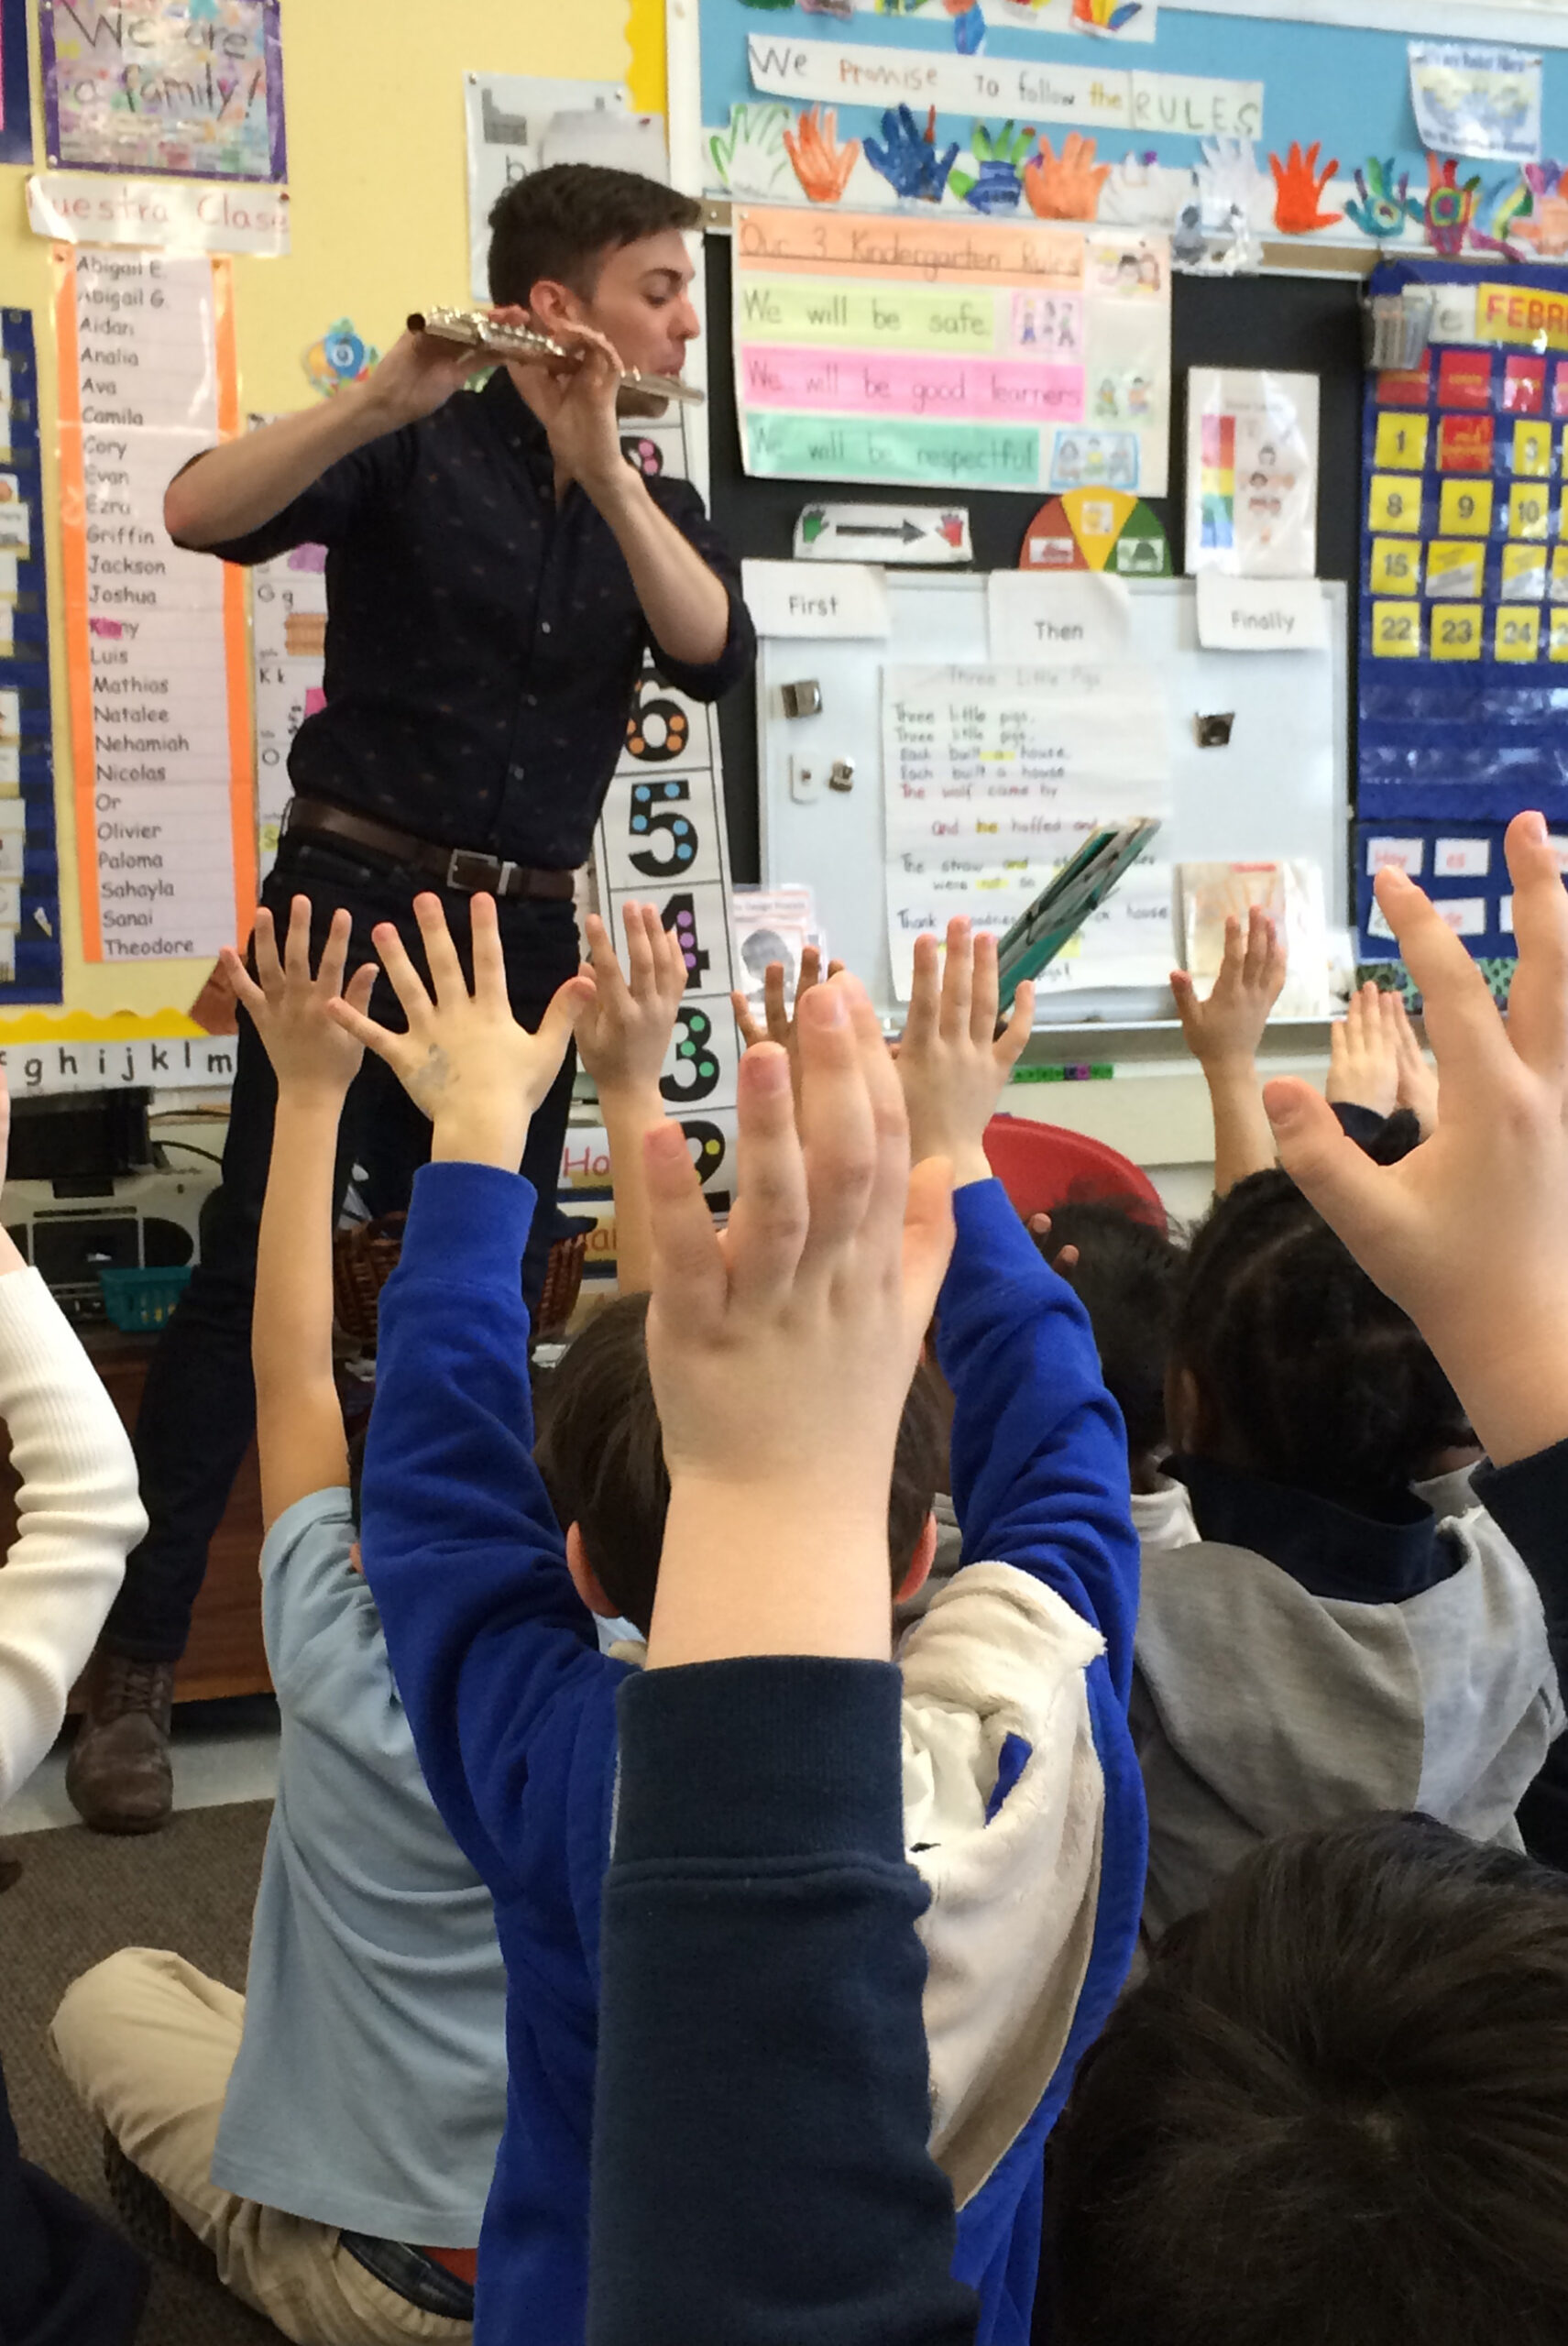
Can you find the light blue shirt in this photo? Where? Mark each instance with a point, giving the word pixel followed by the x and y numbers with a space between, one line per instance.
pixel 370 2087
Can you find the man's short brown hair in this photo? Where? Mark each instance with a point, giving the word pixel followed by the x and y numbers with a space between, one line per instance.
pixel 601 1454
pixel 562 223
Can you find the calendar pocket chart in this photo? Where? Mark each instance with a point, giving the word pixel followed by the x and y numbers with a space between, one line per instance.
pixel 1464 666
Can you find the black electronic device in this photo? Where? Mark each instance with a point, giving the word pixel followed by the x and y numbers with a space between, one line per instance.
pixel 80 1142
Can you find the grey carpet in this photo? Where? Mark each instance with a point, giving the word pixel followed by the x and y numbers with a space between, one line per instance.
pixel 80 1897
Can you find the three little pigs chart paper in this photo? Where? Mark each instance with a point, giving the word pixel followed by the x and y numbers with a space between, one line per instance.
pixel 951 354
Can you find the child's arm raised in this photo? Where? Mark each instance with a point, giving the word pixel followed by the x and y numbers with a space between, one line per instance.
pixel 1364 1056
pixel 778 1022
pixel 77 1512
pixel 1469 1234
pixel 460 1546
pixel 1039 1455
pixel 1222 1035
pixel 299 1420
pixel 622 1036
pixel 759 1912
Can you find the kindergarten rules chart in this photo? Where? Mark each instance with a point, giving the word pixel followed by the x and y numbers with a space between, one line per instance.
pixel 159 654
pixel 952 354
pixel 992 777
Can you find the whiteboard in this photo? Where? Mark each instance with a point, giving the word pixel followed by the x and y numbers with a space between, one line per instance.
pixel 1280 789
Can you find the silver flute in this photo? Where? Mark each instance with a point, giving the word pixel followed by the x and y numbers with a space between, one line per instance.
pixel 637 395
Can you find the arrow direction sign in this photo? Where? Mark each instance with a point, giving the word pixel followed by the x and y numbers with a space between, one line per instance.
pixel 910 533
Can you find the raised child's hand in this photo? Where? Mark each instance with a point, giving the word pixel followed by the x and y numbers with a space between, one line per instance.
pixel 1226 1030
pixel 951 1061
pixel 623 1031
pixel 475 1073
pixel 1417 1082
pixel 778 1020
pixel 1363 1055
pixel 781 1352
pixel 1469 1234
pixel 310 1051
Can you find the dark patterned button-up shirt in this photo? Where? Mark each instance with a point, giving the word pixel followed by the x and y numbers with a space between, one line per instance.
pixel 484 643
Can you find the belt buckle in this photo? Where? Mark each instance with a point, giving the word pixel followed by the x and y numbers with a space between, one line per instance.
pixel 468 869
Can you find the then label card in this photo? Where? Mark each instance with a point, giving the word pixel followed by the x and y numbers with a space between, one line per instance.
pixel 1261 614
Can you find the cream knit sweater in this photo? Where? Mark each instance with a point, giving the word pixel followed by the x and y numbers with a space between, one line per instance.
pixel 78 1516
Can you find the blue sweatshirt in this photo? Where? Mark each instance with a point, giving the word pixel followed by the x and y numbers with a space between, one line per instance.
pixel 512 1707
pixel 1039 1478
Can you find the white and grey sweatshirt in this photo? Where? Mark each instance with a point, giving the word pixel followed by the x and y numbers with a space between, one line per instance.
pixel 78 1517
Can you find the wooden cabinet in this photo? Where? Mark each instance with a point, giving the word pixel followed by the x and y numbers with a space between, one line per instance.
pixel 225 1654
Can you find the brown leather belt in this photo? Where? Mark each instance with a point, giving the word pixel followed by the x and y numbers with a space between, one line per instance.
pixel 455 867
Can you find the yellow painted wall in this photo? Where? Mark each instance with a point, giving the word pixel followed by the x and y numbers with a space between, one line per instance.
pixel 377 174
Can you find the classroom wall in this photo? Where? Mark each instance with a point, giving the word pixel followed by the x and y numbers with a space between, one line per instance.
pixel 374 97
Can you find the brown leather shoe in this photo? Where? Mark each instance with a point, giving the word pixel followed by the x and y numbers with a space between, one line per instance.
pixel 118 1776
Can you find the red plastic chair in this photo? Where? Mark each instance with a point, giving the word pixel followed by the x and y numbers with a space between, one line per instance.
pixel 1041 1165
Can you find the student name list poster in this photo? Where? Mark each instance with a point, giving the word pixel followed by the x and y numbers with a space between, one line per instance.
pixel 992 777
pixel 952 354
pixel 161 719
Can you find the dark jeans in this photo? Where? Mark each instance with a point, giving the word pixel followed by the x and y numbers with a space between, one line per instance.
pixel 199 1409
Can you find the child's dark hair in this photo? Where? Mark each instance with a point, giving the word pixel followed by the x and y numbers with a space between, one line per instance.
pixel 601 1454
pixel 562 223
pixel 1306 1373
pixel 1128 1278
pixel 1336 2108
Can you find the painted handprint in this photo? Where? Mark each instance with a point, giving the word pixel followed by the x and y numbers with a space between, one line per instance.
pixel 968 25
pixel 821 165
pixel 1065 186
pixel 749 156
pixel 1386 206
pixel 909 161
pixel 1134 195
pixel 1450 206
pixel 1502 208
pixel 1228 181
pixel 992 185
pixel 1299 191
pixel 1106 16
pixel 1546 226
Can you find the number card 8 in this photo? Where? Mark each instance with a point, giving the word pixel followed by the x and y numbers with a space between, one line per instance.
pixel 1395 631
pixel 1395 504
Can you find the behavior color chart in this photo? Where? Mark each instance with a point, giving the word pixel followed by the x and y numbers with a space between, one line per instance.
pixel 1464 690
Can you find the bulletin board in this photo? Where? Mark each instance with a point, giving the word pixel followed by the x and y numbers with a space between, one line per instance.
pixel 1310 324
pixel 1310 132
pixel 1463 637
pixel 1291 726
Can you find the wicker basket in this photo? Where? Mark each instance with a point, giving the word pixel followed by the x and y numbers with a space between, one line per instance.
pixel 364 1258
pixel 563 1285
